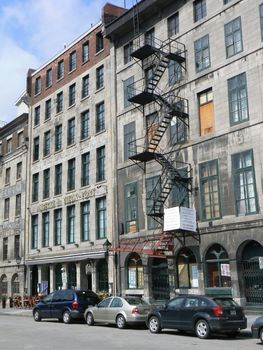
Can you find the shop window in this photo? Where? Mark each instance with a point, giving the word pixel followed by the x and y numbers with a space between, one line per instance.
pixel 135 272
pixel 102 270
pixel 187 270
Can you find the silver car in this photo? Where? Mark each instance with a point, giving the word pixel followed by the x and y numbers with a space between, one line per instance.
pixel 119 311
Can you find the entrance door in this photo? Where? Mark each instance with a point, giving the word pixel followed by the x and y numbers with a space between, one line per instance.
pixel 160 281
pixel 252 274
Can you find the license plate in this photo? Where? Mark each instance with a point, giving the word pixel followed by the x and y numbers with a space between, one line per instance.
pixel 233 312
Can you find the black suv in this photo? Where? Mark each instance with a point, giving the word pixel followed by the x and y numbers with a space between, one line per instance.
pixel 65 304
pixel 200 314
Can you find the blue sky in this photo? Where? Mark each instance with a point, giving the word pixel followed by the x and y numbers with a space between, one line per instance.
pixel 32 32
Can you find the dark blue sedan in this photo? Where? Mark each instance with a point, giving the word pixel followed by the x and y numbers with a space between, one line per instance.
pixel 257 329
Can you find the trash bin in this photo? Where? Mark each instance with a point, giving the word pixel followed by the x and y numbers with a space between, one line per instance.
pixel 3 303
pixel 11 302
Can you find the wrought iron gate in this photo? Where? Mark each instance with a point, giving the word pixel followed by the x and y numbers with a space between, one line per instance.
pixel 160 281
pixel 253 281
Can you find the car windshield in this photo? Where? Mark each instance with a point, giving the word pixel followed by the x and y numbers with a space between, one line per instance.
pixel 225 302
pixel 136 301
pixel 85 295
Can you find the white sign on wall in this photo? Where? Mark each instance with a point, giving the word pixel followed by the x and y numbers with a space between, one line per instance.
pixel 180 218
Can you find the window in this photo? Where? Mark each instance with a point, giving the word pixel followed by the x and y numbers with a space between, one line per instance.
pixel 173 25
pixel 127 51
pixel 180 193
pixel 199 9
pixel 103 282
pixel 85 159
pixel 71 174
pixel 85 52
pixel 45 229
pixel 135 272
pixel 130 200
pixel 202 56
pixel 15 284
pixel 149 37
pixel 261 20
pixel 7 176
pixel 175 73
pixel 58 138
pixel 127 92
pixel 19 170
pixel 34 231
pixel 84 119
pixel 100 164
pixel 9 145
pixel 37 116
pixel 35 185
pixel 178 131
pixel 71 224
pixel 19 139
pixel 46 183
pixel 101 217
pixel 209 190
pixel 60 102
pixel 58 179
pixel 187 270
pixel 206 112
pixel 57 226
pixel 48 109
pixel 100 117
pixel 71 131
pixel 49 77
pixel 46 150
pixel 37 85
pixel 244 183
pixel 60 70
pixel 85 87
pixel 99 77
pixel 233 37
pixel 129 135
pixel 153 189
pixel 17 246
pixel 217 267
pixel 36 149
pixel 237 99
pixel 18 205
pixel 6 208
pixel 99 42
pixel 5 248
pixel 85 217
pixel 72 61
pixel 72 95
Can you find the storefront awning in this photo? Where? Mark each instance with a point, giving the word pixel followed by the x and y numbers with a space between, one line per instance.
pixel 155 245
pixel 66 258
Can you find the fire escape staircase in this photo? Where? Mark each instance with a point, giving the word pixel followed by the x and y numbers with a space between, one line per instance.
pixel 145 91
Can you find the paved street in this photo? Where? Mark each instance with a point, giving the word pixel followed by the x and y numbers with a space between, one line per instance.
pixel 24 333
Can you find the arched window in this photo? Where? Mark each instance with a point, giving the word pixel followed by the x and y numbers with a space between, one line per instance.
pixel 217 267
pixel 15 284
pixel 58 276
pixel 3 285
pixel 187 271
pixel 103 284
pixel 72 282
pixel 135 272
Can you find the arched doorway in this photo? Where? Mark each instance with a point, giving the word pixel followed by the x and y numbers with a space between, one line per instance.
pixel 160 279
pixel 3 285
pixel 15 284
pixel 187 270
pixel 252 274
pixel 34 287
pixel 135 272
pixel 102 271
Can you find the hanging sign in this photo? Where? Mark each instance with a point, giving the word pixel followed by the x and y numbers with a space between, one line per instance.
pixel 179 218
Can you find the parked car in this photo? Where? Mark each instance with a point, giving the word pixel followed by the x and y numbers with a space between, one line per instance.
pixel 257 329
pixel 200 314
pixel 119 311
pixel 65 304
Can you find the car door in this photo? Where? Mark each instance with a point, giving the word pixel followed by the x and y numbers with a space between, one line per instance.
pixel 100 312
pixel 188 310
pixel 114 309
pixel 171 314
pixel 45 306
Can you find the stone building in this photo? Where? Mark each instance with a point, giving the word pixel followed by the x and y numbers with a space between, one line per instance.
pixel 70 190
pixel 188 120
pixel 14 172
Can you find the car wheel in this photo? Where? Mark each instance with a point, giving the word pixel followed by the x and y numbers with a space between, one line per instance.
pixel 154 325
pixel 66 317
pixel 202 329
pixel 120 322
pixel 37 316
pixel 89 319
pixel 261 335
